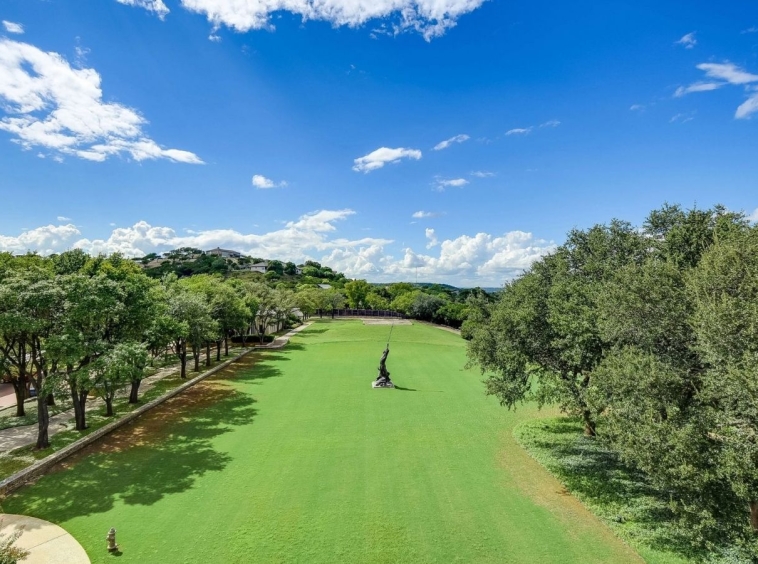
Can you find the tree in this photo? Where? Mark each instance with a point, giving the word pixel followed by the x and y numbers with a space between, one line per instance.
pixel 374 300
pixel 276 266
pixel 91 311
pixel 123 365
pixel 265 299
pixel 724 288
pixel 544 325
pixel 290 269
pixel 425 306
pixel 191 317
pixel 334 300
pixel 230 312
pixel 356 292
pixel 284 303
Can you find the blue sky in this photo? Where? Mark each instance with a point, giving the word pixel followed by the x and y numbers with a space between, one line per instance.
pixel 319 132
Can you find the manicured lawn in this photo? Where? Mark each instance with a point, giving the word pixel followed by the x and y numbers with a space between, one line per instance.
pixel 292 457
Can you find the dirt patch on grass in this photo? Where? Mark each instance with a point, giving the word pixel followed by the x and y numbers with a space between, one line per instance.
pixel 534 481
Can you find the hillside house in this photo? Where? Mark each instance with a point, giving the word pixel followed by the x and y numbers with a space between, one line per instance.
pixel 261 267
pixel 224 253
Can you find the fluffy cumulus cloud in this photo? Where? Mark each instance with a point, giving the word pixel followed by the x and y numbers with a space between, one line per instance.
pixel 263 183
pixel 44 240
pixel 725 74
pixel 52 106
pixel 447 142
pixel 12 27
pixel 481 259
pixel 155 6
pixel 430 18
pixel 382 156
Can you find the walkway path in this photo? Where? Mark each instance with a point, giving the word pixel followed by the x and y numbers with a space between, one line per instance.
pixel 16 437
pixel 46 543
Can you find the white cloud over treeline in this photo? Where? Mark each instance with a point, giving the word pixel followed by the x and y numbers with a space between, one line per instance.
pixel 480 259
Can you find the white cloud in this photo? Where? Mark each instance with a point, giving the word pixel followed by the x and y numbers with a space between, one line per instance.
pixel 156 6
pixel 636 107
pixel 682 117
pixel 729 72
pixel 748 107
pixel 698 87
pixel 430 18
pixel 263 183
pixel 63 218
pixel 482 174
pixel 12 27
pixel 753 217
pixel 425 214
pixel 482 259
pixel 551 123
pixel 753 29
pixel 441 183
pixel 688 41
pixel 447 142
pixel 51 105
pixel 382 156
pixel 45 240
pixel 519 131
pixel 432 238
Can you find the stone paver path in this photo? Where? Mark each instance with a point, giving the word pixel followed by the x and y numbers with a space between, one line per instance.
pixel 46 543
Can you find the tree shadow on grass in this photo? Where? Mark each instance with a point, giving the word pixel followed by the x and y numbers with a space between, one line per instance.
pixel 164 452
pixel 616 491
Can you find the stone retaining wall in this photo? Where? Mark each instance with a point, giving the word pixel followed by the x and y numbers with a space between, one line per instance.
pixel 39 468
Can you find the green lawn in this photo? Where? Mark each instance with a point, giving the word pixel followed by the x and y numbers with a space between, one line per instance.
pixel 292 457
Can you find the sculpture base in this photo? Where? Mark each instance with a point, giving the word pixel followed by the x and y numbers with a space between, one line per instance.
pixel 386 384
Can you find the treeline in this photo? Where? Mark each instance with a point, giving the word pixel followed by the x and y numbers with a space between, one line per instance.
pixel 429 302
pixel 650 336
pixel 77 324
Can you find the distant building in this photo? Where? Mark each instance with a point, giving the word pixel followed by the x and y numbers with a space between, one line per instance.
pixel 224 253
pixel 298 270
pixel 325 286
pixel 261 267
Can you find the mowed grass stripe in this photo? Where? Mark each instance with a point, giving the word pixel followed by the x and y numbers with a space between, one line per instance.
pixel 294 458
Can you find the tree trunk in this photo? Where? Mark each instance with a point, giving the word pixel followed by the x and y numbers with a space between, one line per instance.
pixel 226 346
pixel 183 360
pixel 134 393
pixel 19 387
pixel 43 420
pixel 83 401
pixel 207 353
pixel 754 515
pixel 589 424
pixel 79 398
pixel 196 356
pixel 218 350
pixel 50 400
pixel 108 406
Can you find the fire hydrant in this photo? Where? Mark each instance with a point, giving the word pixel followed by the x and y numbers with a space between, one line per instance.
pixel 111 538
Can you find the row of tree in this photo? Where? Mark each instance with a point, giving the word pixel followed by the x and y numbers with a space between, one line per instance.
pixel 77 324
pixel 435 303
pixel 650 336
